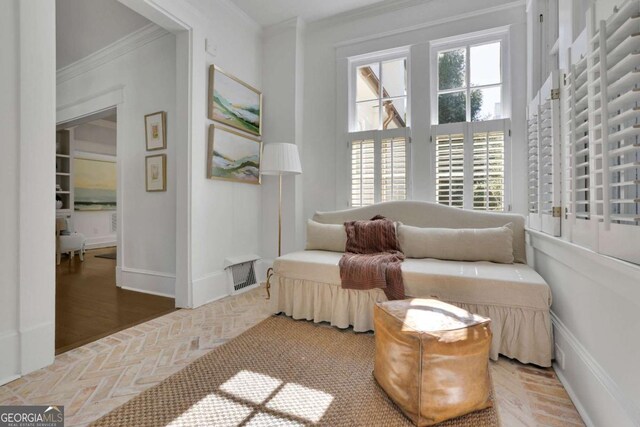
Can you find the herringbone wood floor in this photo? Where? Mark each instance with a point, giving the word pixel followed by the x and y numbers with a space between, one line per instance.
pixel 93 379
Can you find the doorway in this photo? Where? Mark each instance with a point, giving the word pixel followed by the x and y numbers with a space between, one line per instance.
pixel 89 305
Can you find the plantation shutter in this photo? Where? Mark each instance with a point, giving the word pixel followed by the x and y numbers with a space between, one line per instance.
pixel 579 147
pixel 488 171
pixel 470 166
pixel 379 166
pixel 362 172
pixel 615 77
pixel 450 169
pixel 533 173
pixel 547 158
pixel 393 167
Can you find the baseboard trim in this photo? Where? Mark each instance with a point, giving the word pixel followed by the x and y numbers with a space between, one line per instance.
pixel 574 397
pixel 144 291
pixel 146 281
pixel 10 356
pixel 210 288
pixel 608 385
pixel 100 242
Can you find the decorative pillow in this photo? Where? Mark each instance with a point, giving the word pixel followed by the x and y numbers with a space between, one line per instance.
pixel 326 237
pixel 458 244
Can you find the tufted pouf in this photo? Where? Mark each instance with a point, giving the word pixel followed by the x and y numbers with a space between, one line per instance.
pixel 432 358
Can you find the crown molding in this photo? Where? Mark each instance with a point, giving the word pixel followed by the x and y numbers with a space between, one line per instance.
pixel 120 47
pixel 375 9
pixel 441 21
pixel 236 10
pixel 296 23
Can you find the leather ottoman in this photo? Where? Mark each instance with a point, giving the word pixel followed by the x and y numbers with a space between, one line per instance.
pixel 432 358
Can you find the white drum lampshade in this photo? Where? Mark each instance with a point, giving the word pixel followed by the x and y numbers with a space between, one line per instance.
pixel 279 158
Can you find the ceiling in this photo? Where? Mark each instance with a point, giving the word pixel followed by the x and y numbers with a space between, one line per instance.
pixel 85 26
pixel 271 12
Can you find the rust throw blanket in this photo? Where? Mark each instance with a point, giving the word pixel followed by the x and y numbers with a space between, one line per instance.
pixel 372 257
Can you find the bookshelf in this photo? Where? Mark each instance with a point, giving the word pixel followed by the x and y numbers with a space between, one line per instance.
pixel 64 171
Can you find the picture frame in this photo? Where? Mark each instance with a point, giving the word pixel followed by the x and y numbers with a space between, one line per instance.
pixel 233 156
pixel 234 103
pixel 156 172
pixel 155 129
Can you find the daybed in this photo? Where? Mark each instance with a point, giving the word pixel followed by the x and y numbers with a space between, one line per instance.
pixel 307 285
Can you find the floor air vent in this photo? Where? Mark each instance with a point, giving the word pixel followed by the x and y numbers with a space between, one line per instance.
pixel 241 272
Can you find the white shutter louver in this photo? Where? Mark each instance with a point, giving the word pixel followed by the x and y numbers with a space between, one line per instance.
pixel 488 171
pixel 393 166
pixel 547 158
pixel 532 152
pixel 579 206
pixel 450 169
pixel 362 173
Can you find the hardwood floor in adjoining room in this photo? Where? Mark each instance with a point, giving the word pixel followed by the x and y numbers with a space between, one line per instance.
pixel 90 306
pixel 94 379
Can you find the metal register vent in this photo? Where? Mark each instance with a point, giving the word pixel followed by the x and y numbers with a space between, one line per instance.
pixel 241 272
pixel 243 275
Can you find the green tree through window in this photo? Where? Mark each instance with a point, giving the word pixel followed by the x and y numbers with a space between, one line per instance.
pixel 451 74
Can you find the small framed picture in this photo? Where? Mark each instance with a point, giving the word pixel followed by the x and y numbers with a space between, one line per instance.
pixel 155 126
pixel 156 171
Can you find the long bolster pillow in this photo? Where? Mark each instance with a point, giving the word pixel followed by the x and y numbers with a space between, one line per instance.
pixel 458 244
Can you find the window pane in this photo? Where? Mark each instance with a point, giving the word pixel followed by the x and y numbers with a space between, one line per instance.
pixel 486 104
pixel 368 82
pixel 394 170
pixel 367 115
pixel 452 107
pixel 488 171
pixel 394 78
pixel 450 169
pixel 394 113
pixel 452 69
pixel 362 173
pixel 485 64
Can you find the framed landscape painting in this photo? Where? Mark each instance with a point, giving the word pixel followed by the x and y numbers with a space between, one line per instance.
pixel 234 103
pixel 233 156
pixel 95 183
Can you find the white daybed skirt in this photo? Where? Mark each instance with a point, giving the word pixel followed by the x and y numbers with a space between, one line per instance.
pixel 519 333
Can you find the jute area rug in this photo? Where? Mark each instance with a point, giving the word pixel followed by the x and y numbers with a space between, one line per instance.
pixel 281 372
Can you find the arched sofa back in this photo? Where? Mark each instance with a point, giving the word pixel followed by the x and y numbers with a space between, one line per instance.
pixel 434 215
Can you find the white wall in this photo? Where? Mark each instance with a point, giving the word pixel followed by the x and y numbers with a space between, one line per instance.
pixel 146 78
pixel 226 216
pixel 326 156
pixel 596 300
pixel 282 52
pixel 27 91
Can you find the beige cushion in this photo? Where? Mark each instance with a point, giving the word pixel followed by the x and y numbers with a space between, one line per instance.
pixel 462 244
pixel 326 237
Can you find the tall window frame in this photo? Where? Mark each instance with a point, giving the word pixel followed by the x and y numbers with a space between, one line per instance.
pixel 383 181
pixel 465 133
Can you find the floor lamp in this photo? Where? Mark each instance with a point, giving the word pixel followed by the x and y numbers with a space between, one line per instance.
pixel 280 159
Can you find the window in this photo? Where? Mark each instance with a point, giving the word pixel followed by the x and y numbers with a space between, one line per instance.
pixel 471 133
pixel 381 95
pixel 469 84
pixel 378 131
